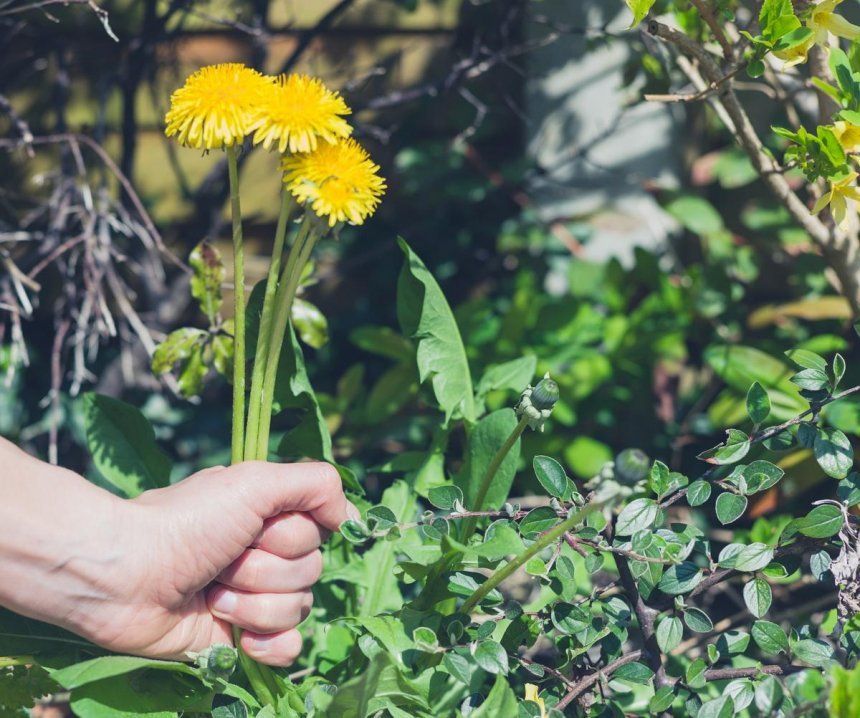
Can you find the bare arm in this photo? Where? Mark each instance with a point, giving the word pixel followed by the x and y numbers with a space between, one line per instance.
pixel 168 572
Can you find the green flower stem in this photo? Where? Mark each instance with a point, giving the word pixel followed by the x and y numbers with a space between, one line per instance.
pixel 288 205
pixel 263 686
pixel 238 436
pixel 260 677
pixel 287 287
pixel 471 523
pixel 550 537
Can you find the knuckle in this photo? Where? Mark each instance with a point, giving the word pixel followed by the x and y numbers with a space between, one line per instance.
pixel 251 570
pixel 266 616
pixel 292 646
pixel 328 479
pixel 315 560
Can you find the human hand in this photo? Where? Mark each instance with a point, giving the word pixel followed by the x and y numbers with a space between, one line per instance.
pixel 255 530
pixel 167 573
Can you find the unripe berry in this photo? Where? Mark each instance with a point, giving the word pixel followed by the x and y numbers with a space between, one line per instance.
pixel 632 465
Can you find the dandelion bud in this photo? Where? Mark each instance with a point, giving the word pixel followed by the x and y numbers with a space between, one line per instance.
pixel 218 661
pixel 545 394
pixel 631 465
pixel 536 403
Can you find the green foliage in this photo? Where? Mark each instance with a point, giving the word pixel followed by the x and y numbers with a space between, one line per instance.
pixel 424 315
pixel 426 622
pixel 122 444
pixel 640 9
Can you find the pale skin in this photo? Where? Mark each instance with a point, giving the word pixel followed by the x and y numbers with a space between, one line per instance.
pixel 166 574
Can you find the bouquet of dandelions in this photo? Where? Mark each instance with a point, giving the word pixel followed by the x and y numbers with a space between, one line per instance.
pixel 327 176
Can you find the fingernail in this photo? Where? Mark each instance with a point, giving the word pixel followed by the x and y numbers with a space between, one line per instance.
pixel 223 601
pixel 352 511
pixel 257 644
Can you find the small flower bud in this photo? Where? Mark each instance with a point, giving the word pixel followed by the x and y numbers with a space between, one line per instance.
pixel 536 403
pixel 632 465
pixel 545 394
pixel 218 661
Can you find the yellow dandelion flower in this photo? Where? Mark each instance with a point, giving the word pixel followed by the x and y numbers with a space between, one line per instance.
pixel 339 181
pixel 216 106
pixel 848 135
pixel 299 111
pixel 841 196
pixel 532 695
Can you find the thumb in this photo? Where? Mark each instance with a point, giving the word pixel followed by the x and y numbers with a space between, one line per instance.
pixel 313 487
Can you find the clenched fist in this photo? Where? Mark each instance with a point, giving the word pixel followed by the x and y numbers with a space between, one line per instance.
pixel 167 573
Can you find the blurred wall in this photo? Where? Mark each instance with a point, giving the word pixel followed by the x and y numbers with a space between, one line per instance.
pixel 594 143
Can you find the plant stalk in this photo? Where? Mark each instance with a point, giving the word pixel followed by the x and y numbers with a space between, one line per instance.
pixel 260 677
pixel 471 523
pixel 264 335
pixel 238 429
pixel 287 287
pixel 262 684
pixel 550 537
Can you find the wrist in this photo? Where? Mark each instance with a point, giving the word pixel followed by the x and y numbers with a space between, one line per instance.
pixel 60 547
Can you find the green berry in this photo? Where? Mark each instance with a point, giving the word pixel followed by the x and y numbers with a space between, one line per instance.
pixel 545 394
pixel 632 465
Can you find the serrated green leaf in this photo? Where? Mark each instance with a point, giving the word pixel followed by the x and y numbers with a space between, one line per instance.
pixel 309 322
pixel 485 439
pixel 514 375
pixel 425 315
pixel 122 444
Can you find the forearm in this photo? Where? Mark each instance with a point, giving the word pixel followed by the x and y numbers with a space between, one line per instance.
pixel 56 548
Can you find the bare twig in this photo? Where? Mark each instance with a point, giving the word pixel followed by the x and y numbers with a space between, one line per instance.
pixel 841 251
pixel 583 684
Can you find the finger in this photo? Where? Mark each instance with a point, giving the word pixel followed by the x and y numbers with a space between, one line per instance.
pixel 260 612
pixel 275 649
pixel 258 571
pixel 271 489
pixel 291 535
